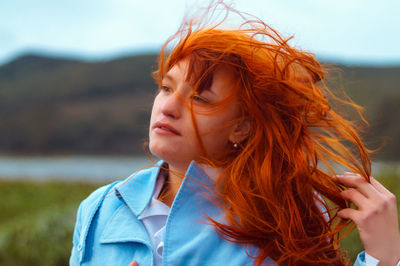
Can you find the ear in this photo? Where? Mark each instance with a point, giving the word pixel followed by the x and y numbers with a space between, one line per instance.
pixel 241 130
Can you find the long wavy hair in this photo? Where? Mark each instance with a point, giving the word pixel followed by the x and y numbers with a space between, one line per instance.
pixel 277 189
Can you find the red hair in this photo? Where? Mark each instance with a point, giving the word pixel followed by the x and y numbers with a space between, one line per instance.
pixel 273 188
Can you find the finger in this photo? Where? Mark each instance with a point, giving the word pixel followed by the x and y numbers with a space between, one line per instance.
pixel 352 179
pixel 133 263
pixel 356 197
pixel 349 214
pixel 357 181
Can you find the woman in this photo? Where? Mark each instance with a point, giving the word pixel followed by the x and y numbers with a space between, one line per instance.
pixel 242 125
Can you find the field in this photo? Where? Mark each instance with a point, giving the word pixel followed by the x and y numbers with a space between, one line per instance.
pixel 37 219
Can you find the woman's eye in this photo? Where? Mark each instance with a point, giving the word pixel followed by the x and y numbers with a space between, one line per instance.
pixel 199 99
pixel 165 88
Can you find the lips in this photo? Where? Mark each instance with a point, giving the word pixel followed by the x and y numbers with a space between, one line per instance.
pixel 165 129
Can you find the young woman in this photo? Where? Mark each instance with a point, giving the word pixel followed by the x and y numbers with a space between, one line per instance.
pixel 246 138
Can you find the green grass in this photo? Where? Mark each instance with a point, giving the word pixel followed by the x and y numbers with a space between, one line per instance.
pixel 37 220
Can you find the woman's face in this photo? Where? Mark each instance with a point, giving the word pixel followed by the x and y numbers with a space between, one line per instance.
pixel 172 134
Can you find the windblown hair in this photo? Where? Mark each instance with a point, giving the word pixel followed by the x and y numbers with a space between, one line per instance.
pixel 276 187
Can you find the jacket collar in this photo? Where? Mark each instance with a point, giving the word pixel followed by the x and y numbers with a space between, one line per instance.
pixel 137 190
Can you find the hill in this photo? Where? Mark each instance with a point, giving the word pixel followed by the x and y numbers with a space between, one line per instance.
pixel 53 105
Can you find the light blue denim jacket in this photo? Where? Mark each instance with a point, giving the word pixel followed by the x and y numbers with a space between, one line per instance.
pixel 109 232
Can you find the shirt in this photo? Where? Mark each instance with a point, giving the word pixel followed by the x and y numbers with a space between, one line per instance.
pixel 155 217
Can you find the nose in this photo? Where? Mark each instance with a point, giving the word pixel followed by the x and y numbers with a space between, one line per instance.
pixel 172 105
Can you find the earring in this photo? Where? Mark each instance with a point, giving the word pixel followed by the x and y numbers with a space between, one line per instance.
pixel 235 145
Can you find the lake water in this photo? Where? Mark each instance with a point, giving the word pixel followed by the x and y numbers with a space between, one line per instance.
pixel 93 168
pixel 89 168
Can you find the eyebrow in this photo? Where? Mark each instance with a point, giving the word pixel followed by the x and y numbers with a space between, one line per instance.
pixel 168 76
pixel 171 78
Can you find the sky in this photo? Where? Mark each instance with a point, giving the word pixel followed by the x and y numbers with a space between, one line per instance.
pixel 349 31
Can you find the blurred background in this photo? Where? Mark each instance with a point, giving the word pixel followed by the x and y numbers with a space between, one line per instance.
pixel 76 95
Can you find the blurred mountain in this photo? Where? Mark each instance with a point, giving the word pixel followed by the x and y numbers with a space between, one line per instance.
pixel 56 105
pixel 31 62
pixel 377 89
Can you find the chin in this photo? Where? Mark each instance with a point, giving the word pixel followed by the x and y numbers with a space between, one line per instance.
pixel 174 156
pixel 160 150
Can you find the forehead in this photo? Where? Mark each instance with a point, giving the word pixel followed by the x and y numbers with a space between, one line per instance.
pixel 217 79
pixel 178 72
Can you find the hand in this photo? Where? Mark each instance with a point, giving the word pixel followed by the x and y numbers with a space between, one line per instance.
pixel 375 217
pixel 133 263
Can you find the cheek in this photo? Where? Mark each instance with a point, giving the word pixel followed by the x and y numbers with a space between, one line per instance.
pixel 153 143
pixel 214 133
pixel 154 109
pixel 215 143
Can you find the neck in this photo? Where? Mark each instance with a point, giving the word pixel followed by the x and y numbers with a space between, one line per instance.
pixel 175 178
pixel 171 187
